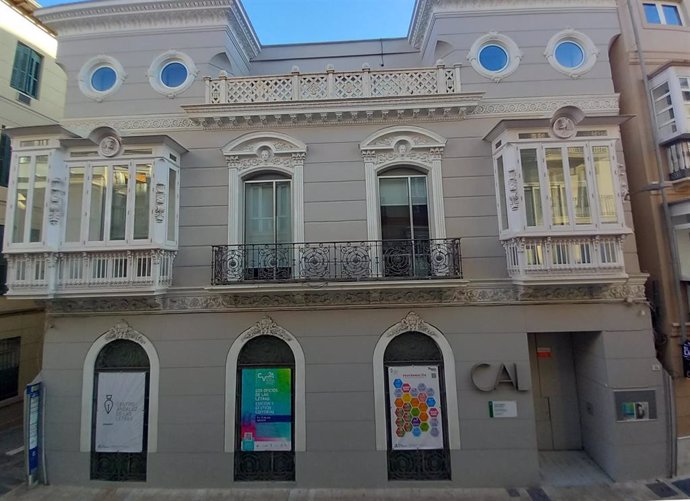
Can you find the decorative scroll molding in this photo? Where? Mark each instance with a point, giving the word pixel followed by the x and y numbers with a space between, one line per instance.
pixel 122 330
pixel 502 293
pixel 159 209
pixel 513 195
pixel 426 9
pixel 266 327
pixel 56 201
pixel 536 107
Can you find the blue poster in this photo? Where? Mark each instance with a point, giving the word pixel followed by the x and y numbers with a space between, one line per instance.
pixel 266 414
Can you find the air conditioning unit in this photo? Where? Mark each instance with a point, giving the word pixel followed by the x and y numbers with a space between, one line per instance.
pixel 23 98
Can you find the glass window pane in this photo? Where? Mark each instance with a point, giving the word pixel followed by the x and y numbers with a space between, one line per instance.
pixel 118 208
pixel 172 205
pixel 651 13
pixel 578 185
pixel 502 194
pixel 559 198
pixel 99 185
pixel 174 74
pixel 532 190
pixel 75 196
pixel 395 208
pixel 420 209
pixel 283 212
pixel 671 15
pixel 569 54
pixel 103 78
pixel 493 58
pixel 258 223
pixel 38 198
pixel 604 175
pixel 23 184
pixel 142 200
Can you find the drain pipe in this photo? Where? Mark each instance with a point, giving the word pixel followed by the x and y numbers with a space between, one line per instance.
pixel 670 233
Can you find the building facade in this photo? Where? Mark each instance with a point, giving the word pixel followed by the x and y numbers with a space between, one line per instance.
pixel 357 264
pixel 32 93
pixel 650 59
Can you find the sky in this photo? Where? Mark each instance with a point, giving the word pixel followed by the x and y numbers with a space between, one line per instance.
pixel 300 21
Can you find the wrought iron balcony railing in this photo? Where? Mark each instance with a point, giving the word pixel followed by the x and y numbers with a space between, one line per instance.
pixel 337 261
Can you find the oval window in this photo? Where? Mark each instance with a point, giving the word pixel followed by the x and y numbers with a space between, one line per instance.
pixel 493 58
pixel 174 74
pixel 103 79
pixel 569 54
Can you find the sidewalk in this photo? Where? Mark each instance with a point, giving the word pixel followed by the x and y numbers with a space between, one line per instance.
pixel 628 491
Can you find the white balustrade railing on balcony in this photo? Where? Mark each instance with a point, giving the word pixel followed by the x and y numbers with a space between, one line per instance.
pixel 586 258
pixel 333 85
pixel 679 159
pixel 97 271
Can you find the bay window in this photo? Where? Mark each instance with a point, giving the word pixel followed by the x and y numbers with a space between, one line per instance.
pixel 563 186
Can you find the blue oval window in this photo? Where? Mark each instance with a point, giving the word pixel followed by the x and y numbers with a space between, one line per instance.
pixel 493 58
pixel 103 78
pixel 570 55
pixel 174 74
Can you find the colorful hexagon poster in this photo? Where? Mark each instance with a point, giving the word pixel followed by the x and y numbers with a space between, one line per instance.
pixel 416 422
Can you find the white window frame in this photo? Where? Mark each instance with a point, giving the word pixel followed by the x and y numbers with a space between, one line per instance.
pixel 404 146
pixel 12 200
pixel 589 52
pixel 273 180
pixel 504 42
pixel 260 153
pixel 662 16
pixel 408 177
pixel 129 241
pixel 90 67
pixel 517 224
pixel 673 76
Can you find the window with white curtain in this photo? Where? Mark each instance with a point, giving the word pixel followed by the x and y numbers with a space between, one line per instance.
pixel 267 214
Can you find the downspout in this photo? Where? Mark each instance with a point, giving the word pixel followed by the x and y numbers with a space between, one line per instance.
pixel 671 234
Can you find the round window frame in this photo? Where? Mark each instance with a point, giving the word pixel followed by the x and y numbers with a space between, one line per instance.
pixel 155 72
pixel 504 42
pixel 589 52
pixel 90 67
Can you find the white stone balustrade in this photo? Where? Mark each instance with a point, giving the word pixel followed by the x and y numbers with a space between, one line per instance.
pixel 333 85
pixel 564 259
pixel 45 274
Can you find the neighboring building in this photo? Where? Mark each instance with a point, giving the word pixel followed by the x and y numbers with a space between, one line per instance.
pixel 655 46
pixel 252 263
pixel 32 92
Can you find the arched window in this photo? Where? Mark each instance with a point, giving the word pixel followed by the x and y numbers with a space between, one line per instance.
pixel 264 407
pixel 416 417
pixel 119 441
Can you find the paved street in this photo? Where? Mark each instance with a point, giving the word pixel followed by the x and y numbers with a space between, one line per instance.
pixel 11 458
pixel 632 491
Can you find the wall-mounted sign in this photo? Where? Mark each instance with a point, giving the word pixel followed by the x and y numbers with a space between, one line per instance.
pixel 502 408
pixel 635 405
pixel 415 407
pixel 487 377
pixel 32 441
pixel 686 358
pixel 266 413
pixel 543 352
pixel 120 411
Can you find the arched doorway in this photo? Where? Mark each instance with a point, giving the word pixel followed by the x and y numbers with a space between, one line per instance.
pixel 119 440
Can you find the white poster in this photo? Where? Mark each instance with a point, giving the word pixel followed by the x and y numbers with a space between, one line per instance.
pixel 120 412
pixel 415 407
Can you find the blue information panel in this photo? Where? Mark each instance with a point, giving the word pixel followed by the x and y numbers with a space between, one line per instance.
pixel 33 396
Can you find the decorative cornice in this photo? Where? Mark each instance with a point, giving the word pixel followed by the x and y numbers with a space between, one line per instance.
pixel 99 17
pixel 500 293
pixel 532 107
pixel 425 10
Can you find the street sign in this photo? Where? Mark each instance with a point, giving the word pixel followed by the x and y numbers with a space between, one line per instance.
pixel 32 437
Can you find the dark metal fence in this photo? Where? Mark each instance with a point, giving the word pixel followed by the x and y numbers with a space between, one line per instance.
pixel 337 261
